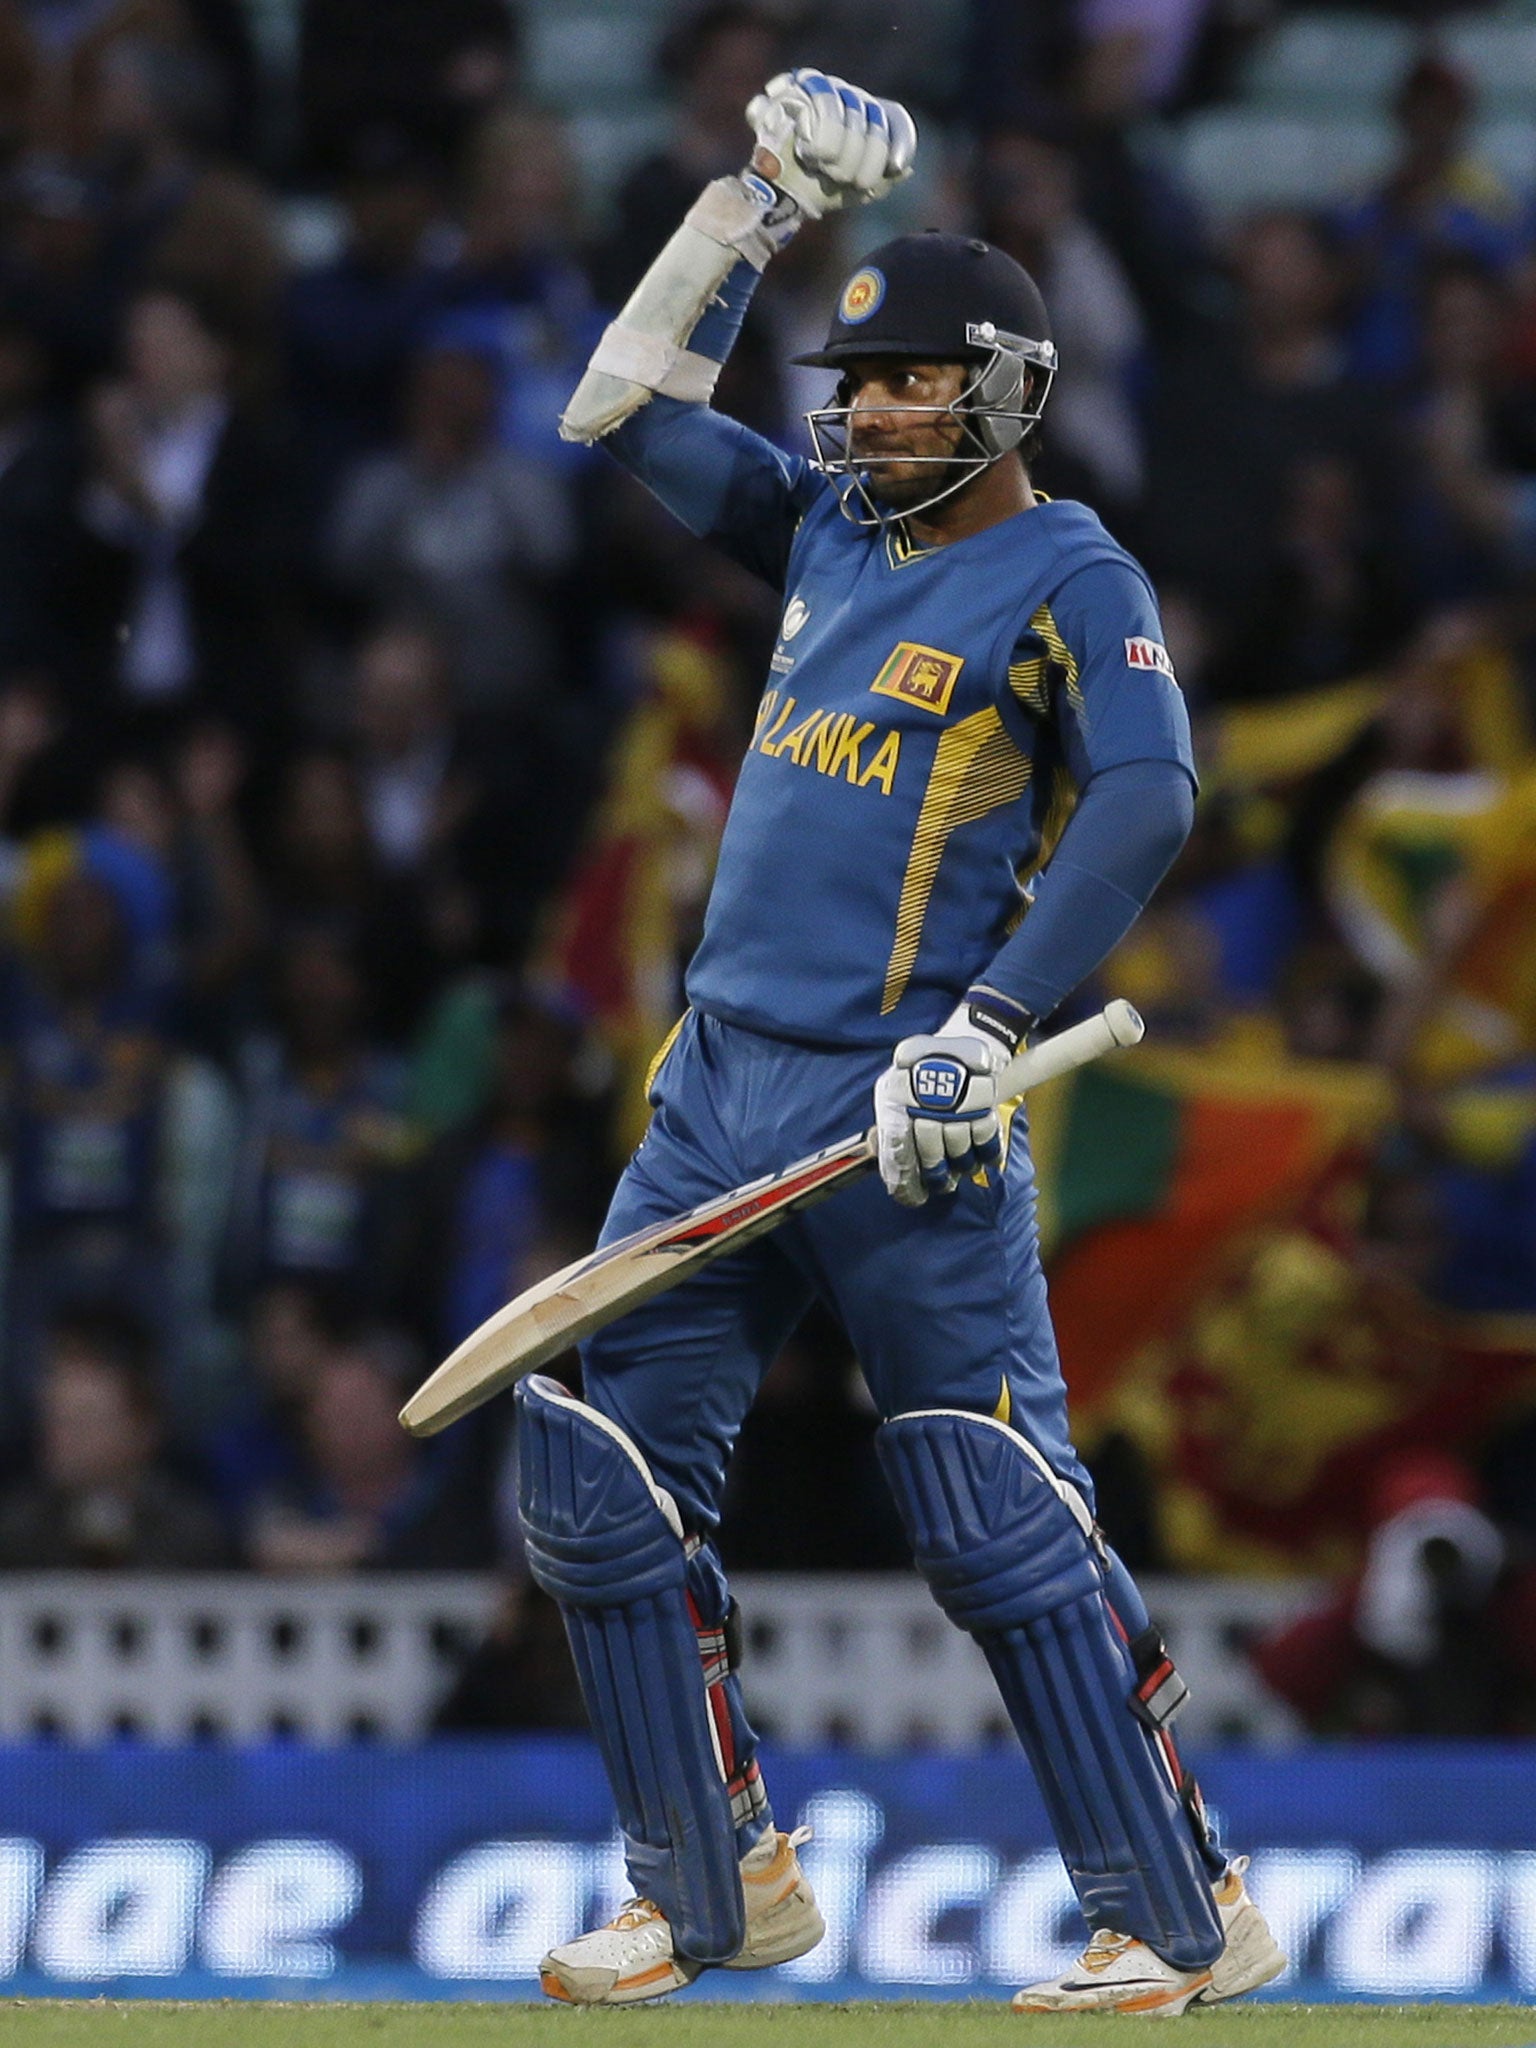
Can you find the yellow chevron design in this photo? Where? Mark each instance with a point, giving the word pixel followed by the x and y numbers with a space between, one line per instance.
pixel 1043 623
pixel 977 768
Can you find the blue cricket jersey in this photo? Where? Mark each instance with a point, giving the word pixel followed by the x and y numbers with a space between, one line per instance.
pixel 930 719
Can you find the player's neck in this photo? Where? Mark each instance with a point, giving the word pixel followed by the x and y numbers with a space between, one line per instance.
pixel 993 496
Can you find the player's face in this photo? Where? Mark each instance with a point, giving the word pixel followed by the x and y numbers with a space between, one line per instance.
pixel 886 429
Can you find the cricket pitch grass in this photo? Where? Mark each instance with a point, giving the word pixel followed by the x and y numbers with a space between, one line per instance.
pixel 95 2023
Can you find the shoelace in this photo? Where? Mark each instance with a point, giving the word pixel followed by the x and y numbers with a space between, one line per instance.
pixel 636 1912
pixel 1103 1948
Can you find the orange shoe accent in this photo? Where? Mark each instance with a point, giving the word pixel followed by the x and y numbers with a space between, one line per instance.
pixel 1152 2000
pixel 1230 1890
pixel 551 1987
pixel 778 1872
pixel 653 1975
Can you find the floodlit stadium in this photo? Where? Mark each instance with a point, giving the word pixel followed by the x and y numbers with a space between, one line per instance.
pixel 881 657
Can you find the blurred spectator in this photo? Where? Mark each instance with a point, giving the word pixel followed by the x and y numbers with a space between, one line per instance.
pixel 322 866
pixel 519 292
pixel 49 52
pixel 520 1677
pixel 1333 603
pixel 415 791
pixel 221 915
pixel 52 275
pixel 1437 1637
pixel 255 1451
pixel 323 1135
pixel 352 323
pixel 1476 502
pixel 426 70
pixel 83 1030
pixel 46 769
pixel 518 1192
pixel 1135 55
pixel 38 480
pixel 1234 420
pixel 366 1494
pixel 804 1491
pixel 169 210
pixel 1328 1003
pixel 714 59
pixel 470 532
pixel 189 530
pixel 1436 199
pixel 1027 194
pixel 98 1497
pixel 469 819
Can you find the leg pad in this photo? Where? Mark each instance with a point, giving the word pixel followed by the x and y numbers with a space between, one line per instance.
pixel 606 1542
pixel 1005 1545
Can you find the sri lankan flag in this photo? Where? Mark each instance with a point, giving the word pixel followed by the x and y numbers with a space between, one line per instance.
pixel 628 917
pixel 1150 1166
pixel 1202 1214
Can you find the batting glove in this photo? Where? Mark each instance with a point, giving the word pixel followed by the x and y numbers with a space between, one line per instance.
pixel 825 144
pixel 936 1104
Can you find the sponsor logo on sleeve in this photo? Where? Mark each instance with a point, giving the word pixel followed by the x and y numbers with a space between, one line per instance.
pixel 1148 654
pixel 920 675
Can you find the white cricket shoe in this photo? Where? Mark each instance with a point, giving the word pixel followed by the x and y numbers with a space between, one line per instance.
pixel 1116 1973
pixel 629 1959
pixel 1252 1955
pixel 632 1958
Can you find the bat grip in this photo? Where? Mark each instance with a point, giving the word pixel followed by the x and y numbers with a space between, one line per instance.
pixel 1117 1024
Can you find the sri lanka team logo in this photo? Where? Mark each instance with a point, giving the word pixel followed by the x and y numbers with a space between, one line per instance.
pixel 861 295
pixel 920 675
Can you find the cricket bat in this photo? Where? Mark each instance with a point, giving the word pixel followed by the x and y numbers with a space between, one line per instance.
pixel 559 1311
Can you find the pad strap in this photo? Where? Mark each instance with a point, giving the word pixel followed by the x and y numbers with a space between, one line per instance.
pixel 1008 1548
pixel 606 1541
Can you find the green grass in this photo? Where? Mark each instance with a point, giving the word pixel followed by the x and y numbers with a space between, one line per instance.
pixel 58 2023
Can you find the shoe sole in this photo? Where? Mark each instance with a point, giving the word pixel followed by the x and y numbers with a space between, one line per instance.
pixel 1165 2002
pixel 599 1989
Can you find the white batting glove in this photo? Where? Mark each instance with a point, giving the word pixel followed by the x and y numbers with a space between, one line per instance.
pixel 936 1118
pixel 826 144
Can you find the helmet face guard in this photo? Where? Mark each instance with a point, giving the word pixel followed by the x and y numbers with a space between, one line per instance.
pixel 990 410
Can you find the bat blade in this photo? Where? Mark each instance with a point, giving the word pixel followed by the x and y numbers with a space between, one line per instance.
pixel 585 1296
pixel 592 1292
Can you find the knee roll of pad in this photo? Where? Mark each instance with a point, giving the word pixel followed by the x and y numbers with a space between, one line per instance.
pixel 1008 1550
pixel 605 1540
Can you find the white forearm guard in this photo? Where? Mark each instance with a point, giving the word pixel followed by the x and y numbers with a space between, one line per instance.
pixel 646 349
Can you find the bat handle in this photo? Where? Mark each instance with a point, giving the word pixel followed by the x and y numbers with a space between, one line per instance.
pixel 1117 1024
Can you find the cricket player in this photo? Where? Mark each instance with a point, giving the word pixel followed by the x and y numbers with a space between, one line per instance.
pixel 971 766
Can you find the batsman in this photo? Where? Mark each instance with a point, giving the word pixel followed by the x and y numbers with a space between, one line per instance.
pixel 970 769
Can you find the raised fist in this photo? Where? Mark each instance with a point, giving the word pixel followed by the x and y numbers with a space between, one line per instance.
pixel 826 144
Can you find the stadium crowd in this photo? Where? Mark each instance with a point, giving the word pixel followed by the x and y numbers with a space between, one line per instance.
pixel 363 748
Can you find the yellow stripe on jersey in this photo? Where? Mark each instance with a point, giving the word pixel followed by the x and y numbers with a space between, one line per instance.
pixel 977 769
pixel 1030 683
pixel 1060 653
pixel 660 1058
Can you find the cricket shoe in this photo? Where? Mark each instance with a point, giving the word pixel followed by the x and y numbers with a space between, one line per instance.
pixel 1252 1955
pixel 1117 1973
pixel 632 1958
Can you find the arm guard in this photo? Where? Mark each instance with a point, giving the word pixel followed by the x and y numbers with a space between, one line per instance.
pixel 733 220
